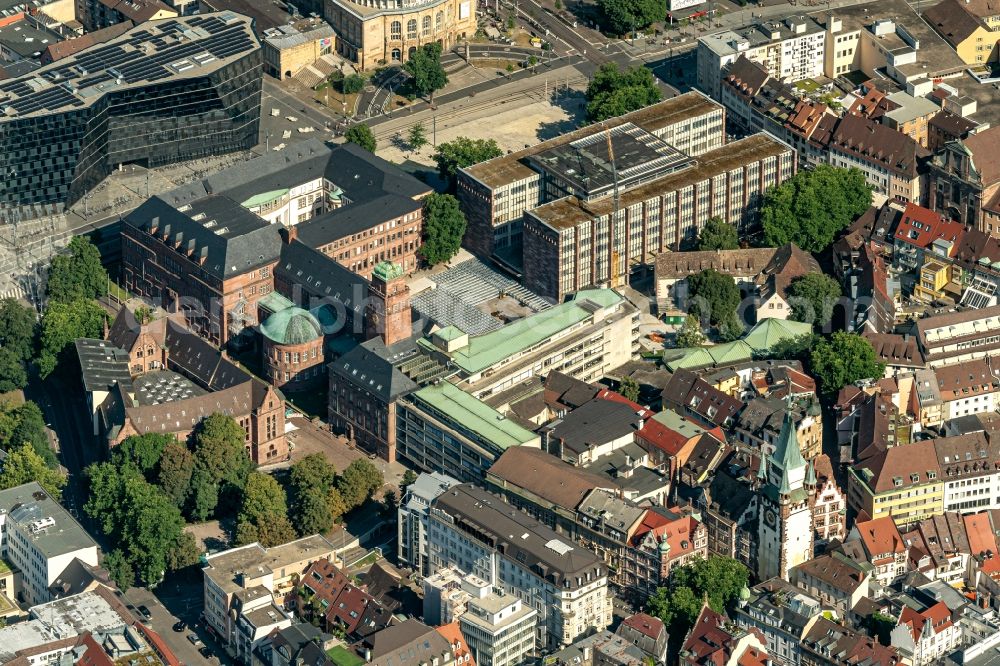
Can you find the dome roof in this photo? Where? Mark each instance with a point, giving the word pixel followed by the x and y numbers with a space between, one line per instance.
pixel 291 326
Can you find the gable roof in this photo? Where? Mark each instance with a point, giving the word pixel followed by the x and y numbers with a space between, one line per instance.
pixel 881 536
pixel 921 226
pixel 985 147
pixel 952 21
pixel 545 476
pixel 878 144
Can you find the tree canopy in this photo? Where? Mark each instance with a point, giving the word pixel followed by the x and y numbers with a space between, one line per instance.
pixel 64 322
pixel 425 68
pixel 718 578
pixel 13 375
pixel 417 137
pixel 812 297
pixel 174 475
pixel 264 514
pixel 221 464
pixel 25 424
pixel 623 16
pixel 311 482
pixel 715 297
pixel 352 84
pixel 143 451
pixel 690 333
pixel 718 235
pixel 444 228
pixel 22 465
pixel 843 359
pixel 78 273
pixel 629 389
pixel 463 152
pixel 613 92
pixel 143 524
pixel 361 135
pixel 358 482
pixel 811 207
pixel 17 329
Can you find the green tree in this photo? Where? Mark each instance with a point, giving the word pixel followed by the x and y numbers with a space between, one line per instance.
pixel 174 477
pixel 13 376
pixel 444 228
pixel 880 626
pixel 184 553
pixel 311 512
pixel 794 349
pixel 17 329
pixel 358 482
pixel 409 476
pixel 120 569
pixel 812 297
pixel 843 359
pixel 203 495
pixel 311 482
pixel 719 579
pixel 425 68
pixel 714 296
pixel 613 92
pixel 629 389
pixel 451 156
pixel 78 273
pixel 811 207
pixel 264 514
pixel 64 322
pixel 717 235
pixel 142 451
pixel 219 448
pixel 362 135
pixel 352 84
pixel 22 465
pixel 690 333
pixel 137 517
pixel 338 507
pixel 25 424
pixel 623 16
pixel 417 137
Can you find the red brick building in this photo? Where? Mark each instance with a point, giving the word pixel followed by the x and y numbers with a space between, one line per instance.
pixel 292 349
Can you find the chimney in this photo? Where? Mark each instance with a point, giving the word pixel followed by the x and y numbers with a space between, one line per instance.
pixel 288 234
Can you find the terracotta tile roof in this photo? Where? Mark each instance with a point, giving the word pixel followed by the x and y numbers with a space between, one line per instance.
pixel 713 639
pixel 829 638
pixel 921 226
pixel 453 635
pixel 894 349
pixel 823 468
pixel 881 536
pixel 951 124
pixel 901 467
pixel 985 148
pixel 647 625
pixel 970 378
pixel 677 531
pixel 938 615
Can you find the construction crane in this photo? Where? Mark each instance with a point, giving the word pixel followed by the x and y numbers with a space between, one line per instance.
pixel 613 274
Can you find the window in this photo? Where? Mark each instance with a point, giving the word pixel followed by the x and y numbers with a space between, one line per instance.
pixel 427 25
pixel 396 30
pixel 439 20
pixel 411 29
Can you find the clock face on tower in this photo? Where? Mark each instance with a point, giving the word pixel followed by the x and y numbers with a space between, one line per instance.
pixel 769 518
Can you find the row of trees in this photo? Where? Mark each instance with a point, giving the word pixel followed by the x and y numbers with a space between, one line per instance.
pixel 320 496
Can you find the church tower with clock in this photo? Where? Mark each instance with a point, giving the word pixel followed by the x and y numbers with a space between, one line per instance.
pixel 787 493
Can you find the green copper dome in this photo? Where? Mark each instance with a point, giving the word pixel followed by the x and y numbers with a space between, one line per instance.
pixel 291 326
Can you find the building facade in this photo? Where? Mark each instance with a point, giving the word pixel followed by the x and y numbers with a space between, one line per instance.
pixel 289 48
pixel 499 629
pixel 372 33
pixel 566 585
pixel 62 136
pixel 412 516
pixel 964 181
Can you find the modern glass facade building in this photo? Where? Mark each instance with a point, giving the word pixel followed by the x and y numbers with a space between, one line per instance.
pixel 163 92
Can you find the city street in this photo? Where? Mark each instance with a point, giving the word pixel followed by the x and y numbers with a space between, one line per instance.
pixel 179 597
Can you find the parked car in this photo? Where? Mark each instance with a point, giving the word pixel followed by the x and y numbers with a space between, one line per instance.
pixel 143 611
pixel 180 626
pixel 194 640
pixel 205 651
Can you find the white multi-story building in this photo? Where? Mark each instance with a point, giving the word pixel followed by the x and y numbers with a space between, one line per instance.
pixel 447 593
pixel 499 629
pixel 40 539
pixel 245 588
pixel 412 518
pixel 566 584
pixel 791 50
pixel 971 480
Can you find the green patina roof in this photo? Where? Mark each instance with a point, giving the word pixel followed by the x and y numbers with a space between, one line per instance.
pixel 449 333
pixel 386 270
pixel 474 415
pixel 291 326
pixel 485 351
pixel 769 332
pixel 264 197
pixel 786 450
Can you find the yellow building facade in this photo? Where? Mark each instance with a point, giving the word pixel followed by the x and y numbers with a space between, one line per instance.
pixel 908 503
pixel 372 33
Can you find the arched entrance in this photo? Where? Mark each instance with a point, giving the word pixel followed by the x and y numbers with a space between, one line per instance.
pixel 397 55
pixel 409 54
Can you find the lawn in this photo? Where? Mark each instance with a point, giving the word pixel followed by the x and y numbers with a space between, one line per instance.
pixel 807 86
pixel 341 656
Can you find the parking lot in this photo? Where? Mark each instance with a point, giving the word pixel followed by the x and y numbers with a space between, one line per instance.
pixel 178 598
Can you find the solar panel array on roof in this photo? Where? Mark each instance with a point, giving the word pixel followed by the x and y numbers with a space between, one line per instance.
pixel 169 48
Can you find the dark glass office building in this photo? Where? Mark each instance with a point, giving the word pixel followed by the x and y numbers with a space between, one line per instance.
pixel 163 92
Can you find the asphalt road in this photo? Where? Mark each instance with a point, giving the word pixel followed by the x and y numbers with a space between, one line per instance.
pixel 179 597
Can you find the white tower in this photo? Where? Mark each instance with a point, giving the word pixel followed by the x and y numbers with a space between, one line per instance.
pixel 787 493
